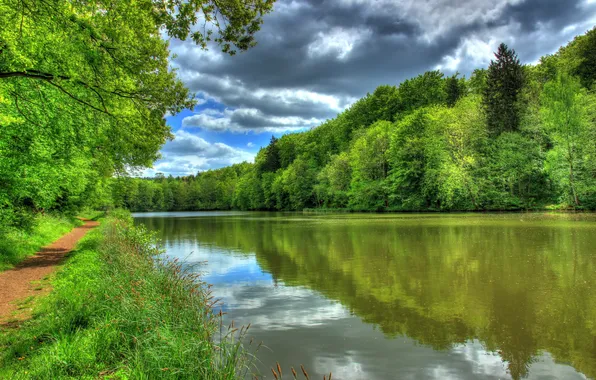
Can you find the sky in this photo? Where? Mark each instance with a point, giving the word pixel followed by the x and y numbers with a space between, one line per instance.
pixel 316 57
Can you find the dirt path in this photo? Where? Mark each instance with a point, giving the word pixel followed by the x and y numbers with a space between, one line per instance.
pixel 16 284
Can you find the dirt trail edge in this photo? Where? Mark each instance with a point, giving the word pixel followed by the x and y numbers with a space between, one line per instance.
pixel 16 283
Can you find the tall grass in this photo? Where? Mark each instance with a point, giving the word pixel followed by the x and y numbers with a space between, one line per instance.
pixel 16 244
pixel 118 310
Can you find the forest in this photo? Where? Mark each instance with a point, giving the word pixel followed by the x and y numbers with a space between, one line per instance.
pixel 509 137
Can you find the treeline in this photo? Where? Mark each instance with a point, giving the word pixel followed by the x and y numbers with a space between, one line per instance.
pixel 84 88
pixel 509 137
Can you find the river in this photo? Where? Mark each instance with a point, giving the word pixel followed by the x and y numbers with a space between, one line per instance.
pixel 398 296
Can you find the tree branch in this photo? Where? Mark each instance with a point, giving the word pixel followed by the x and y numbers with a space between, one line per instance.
pixel 77 99
pixel 32 74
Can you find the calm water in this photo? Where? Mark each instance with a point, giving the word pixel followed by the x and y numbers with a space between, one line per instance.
pixel 403 296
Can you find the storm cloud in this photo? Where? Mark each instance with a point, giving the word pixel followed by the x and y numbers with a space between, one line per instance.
pixel 316 57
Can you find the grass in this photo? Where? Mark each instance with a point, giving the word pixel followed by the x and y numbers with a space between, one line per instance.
pixel 91 214
pixel 17 244
pixel 118 311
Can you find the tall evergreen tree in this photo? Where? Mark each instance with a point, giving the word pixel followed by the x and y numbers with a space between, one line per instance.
pixel 453 89
pixel 504 82
pixel 272 161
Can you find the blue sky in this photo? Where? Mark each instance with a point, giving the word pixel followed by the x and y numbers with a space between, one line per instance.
pixel 316 57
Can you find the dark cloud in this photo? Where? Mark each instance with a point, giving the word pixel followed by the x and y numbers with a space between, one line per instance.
pixel 556 14
pixel 314 57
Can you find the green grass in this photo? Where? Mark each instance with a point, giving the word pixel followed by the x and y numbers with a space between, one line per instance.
pixel 16 244
pixel 117 311
pixel 91 214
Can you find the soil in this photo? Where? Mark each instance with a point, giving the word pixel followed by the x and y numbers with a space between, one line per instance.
pixel 20 284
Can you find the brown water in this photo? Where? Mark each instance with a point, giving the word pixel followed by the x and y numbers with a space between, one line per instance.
pixel 403 296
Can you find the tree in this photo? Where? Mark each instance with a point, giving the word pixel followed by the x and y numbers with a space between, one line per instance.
pixel 408 159
pixel 271 160
pixel 454 90
pixel 452 147
pixel 370 167
pixel 477 82
pixel 504 82
pixel 438 154
pixel 586 70
pixel 333 181
pixel 298 182
pixel 84 87
pixel 565 111
pixel 424 90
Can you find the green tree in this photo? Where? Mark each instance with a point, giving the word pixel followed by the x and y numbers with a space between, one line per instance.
pixel 271 160
pixel 333 181
pixel 424 90
pixel 586 69
pixel 453 144
pixel 298 182
pixel 566 112
pixel 370 168
pixel 454 89
pixel 504 83
pixel 84 87
pixel 408 159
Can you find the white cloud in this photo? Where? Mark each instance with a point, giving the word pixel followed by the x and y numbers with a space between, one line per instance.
pixel 474 51
pixel 189 154
pixel 314 310
pixel 250 144
pixel 337 42
pixel 246 119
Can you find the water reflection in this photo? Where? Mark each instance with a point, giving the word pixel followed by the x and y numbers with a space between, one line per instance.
pixel 420 296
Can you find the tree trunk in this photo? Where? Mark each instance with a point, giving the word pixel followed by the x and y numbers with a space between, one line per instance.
pixel 572 184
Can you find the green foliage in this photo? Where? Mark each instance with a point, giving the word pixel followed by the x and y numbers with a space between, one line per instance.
pixel 370 167
pixel 586 68
pixel 501 140
pixel 85 86
pixel 271 161
pixel 333 182
pixel 455 89
pixel 119 310
pixel 407 158
pixel 516 169
pixel 504 82
pixel 298 181
pixel 18 243
pixel 456 136
pixel 424 90
pixel 566 114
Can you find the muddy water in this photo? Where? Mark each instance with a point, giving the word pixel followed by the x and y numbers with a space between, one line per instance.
pixel 402 296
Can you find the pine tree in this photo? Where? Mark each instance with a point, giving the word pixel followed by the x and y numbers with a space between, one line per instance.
pixel 453 89
pixel 504 82
pixel 272 162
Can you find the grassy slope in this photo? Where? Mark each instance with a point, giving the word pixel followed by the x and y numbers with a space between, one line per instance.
pixel 16 245
pixel 114 313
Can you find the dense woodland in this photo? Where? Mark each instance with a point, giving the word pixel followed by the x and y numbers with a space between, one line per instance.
pixel 510 137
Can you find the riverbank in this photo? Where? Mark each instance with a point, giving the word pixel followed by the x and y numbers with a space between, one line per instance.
pixel 117 311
